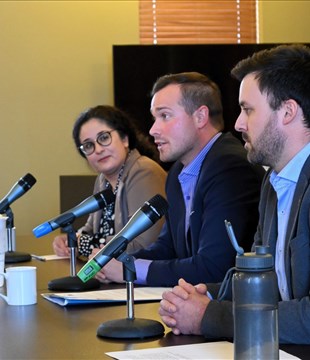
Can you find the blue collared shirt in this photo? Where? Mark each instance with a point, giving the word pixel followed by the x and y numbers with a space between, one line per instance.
pixel 284 185
pixel 188 178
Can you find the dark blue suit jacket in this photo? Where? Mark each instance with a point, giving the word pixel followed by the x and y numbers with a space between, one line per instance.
pixel 228 187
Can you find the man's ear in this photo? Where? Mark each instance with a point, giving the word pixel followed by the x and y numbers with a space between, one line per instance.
pixel 290 109
pixel 201 116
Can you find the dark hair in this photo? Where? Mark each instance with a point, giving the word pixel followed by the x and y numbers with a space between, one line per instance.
pixel 282 72
pixel 117 120
pixel 197 90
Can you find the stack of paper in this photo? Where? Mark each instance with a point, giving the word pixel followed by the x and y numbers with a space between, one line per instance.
pixel 105 296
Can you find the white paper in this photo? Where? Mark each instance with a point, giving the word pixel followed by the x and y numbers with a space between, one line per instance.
pixel 117 295
pixel 221 350
pixel 48 257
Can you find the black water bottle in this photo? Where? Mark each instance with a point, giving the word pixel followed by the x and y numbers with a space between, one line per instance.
pixel 255 306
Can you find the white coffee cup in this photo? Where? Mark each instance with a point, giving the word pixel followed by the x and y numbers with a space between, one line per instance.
pixel 3 245
pixel 21 285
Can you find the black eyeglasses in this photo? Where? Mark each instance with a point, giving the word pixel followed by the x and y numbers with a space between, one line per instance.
pixel 104 138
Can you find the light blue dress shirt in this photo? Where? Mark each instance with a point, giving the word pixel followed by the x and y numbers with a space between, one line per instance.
pixel 284 185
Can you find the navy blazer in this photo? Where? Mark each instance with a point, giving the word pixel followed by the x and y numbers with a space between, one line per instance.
pixel 228 187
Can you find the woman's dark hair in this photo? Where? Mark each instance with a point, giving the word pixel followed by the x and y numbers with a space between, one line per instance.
pixel 120 121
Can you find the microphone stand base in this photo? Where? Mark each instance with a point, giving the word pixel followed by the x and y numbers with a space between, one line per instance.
pixel 73 283
pixel 12 257
pixel 131 329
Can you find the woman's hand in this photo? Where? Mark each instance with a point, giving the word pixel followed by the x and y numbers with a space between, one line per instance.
pixel 60 245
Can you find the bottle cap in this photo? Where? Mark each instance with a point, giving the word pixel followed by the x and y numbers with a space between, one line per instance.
pixel 261 259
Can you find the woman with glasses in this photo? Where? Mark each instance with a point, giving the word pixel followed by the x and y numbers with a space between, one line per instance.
pixel 127 164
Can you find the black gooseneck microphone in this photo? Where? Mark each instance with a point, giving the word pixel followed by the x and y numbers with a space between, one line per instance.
pixel 20 188
pixel 89 205
pixel 65 220
pixel 129 327
pixel 141 220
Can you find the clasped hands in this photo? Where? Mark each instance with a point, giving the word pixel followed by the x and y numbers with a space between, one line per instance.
pixel 183 307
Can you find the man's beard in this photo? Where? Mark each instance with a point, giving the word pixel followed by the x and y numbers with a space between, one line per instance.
pixel 267 148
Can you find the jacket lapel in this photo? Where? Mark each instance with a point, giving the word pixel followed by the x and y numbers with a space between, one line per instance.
pixel 292 225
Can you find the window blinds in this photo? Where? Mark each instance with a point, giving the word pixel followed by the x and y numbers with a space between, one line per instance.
pixel 197 22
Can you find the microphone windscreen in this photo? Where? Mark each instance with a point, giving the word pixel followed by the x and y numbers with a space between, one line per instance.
pixel 159 205
pixel 29 180
pixel 105 197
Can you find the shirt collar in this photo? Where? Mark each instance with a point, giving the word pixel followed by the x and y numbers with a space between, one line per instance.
pixel 293 168
pixel 194 166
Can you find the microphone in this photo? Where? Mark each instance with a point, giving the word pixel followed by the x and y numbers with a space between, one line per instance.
pixel 141 220
pixel 89 205
pixel 23 185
